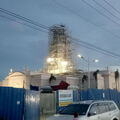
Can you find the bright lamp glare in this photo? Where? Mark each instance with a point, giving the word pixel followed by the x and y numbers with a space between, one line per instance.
pixel 50 60
pixel 80 56
pixel 96 60
pixel 64 63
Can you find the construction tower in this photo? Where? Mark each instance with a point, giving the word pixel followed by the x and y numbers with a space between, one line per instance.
pixel 59 59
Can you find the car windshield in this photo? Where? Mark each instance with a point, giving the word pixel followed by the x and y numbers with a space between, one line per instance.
pixel 71 109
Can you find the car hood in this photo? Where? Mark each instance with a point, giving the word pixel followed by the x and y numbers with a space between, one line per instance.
pixel 62 117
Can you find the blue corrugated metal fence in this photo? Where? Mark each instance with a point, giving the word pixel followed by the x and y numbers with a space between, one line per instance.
pixel 11 103
pixel 32 105
pixel 16 104
pixel 93 94
pixel 96 94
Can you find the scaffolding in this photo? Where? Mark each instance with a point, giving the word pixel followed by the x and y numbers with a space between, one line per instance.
pixel 59 59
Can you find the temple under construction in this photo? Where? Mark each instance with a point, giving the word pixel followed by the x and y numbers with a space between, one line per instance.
pixel 59 59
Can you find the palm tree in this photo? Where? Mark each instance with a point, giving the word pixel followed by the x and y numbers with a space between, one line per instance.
pixel 116 78
pixel 95 76
pixel 84 78
pixel 52 77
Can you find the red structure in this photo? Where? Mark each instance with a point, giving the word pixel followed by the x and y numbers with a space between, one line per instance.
pixel 62 86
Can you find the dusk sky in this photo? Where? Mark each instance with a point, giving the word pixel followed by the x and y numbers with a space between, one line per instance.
pixel 22 46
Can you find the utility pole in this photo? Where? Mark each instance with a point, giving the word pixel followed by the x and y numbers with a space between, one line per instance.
pixel 88 63
pixel 88 73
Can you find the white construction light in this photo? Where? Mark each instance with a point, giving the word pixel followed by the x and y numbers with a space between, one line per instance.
pixel 80 56
pixel 96 60
pixel 50 60
pixel 64 63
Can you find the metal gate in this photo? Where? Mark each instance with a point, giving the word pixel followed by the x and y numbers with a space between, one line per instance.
pixel 11 103
pixel 48 103
pixel 32 105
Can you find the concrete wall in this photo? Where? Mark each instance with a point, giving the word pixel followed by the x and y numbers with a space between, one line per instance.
pixel 74 82
pixel 93 82
pixel 100 82
pixel 35 80
pixel 112 80
pixel 45 79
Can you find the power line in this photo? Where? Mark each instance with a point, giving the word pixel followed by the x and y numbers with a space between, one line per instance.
pixel 95 48
pixel 88 45
pixel 85 45
pixel 111 6
pixel 88 21
pixel 11 19
pixel 90 48
pixel 101 52
pixel 106 9
pixel 107 17
pixel 23 18
pixel 84 42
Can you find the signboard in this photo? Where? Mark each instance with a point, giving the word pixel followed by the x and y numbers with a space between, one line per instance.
pixel 65 97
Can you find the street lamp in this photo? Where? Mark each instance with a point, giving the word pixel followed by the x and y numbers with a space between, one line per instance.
pixel 96 60
pixel 80 56
pixel 88 63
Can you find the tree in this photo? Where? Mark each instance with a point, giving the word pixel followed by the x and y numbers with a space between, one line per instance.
pixel 116 77
pixel 84 78
pixel 95 76
pixel 52 77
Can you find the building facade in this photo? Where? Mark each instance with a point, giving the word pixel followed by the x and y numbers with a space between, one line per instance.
pixel 103 80
pixel 39 79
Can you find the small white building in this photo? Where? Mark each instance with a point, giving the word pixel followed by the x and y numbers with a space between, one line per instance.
pixel 105 79
pixel 36 78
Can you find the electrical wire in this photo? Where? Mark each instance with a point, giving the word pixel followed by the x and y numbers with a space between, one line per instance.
pixel 106 9
pixel 104 15
pixel 23 18
pixel 93 49
pixel 88 45
pixel 111 6
pixel 11 19
pixel 88 21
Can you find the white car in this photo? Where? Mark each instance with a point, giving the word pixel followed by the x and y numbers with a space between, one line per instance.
pixel 89 110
